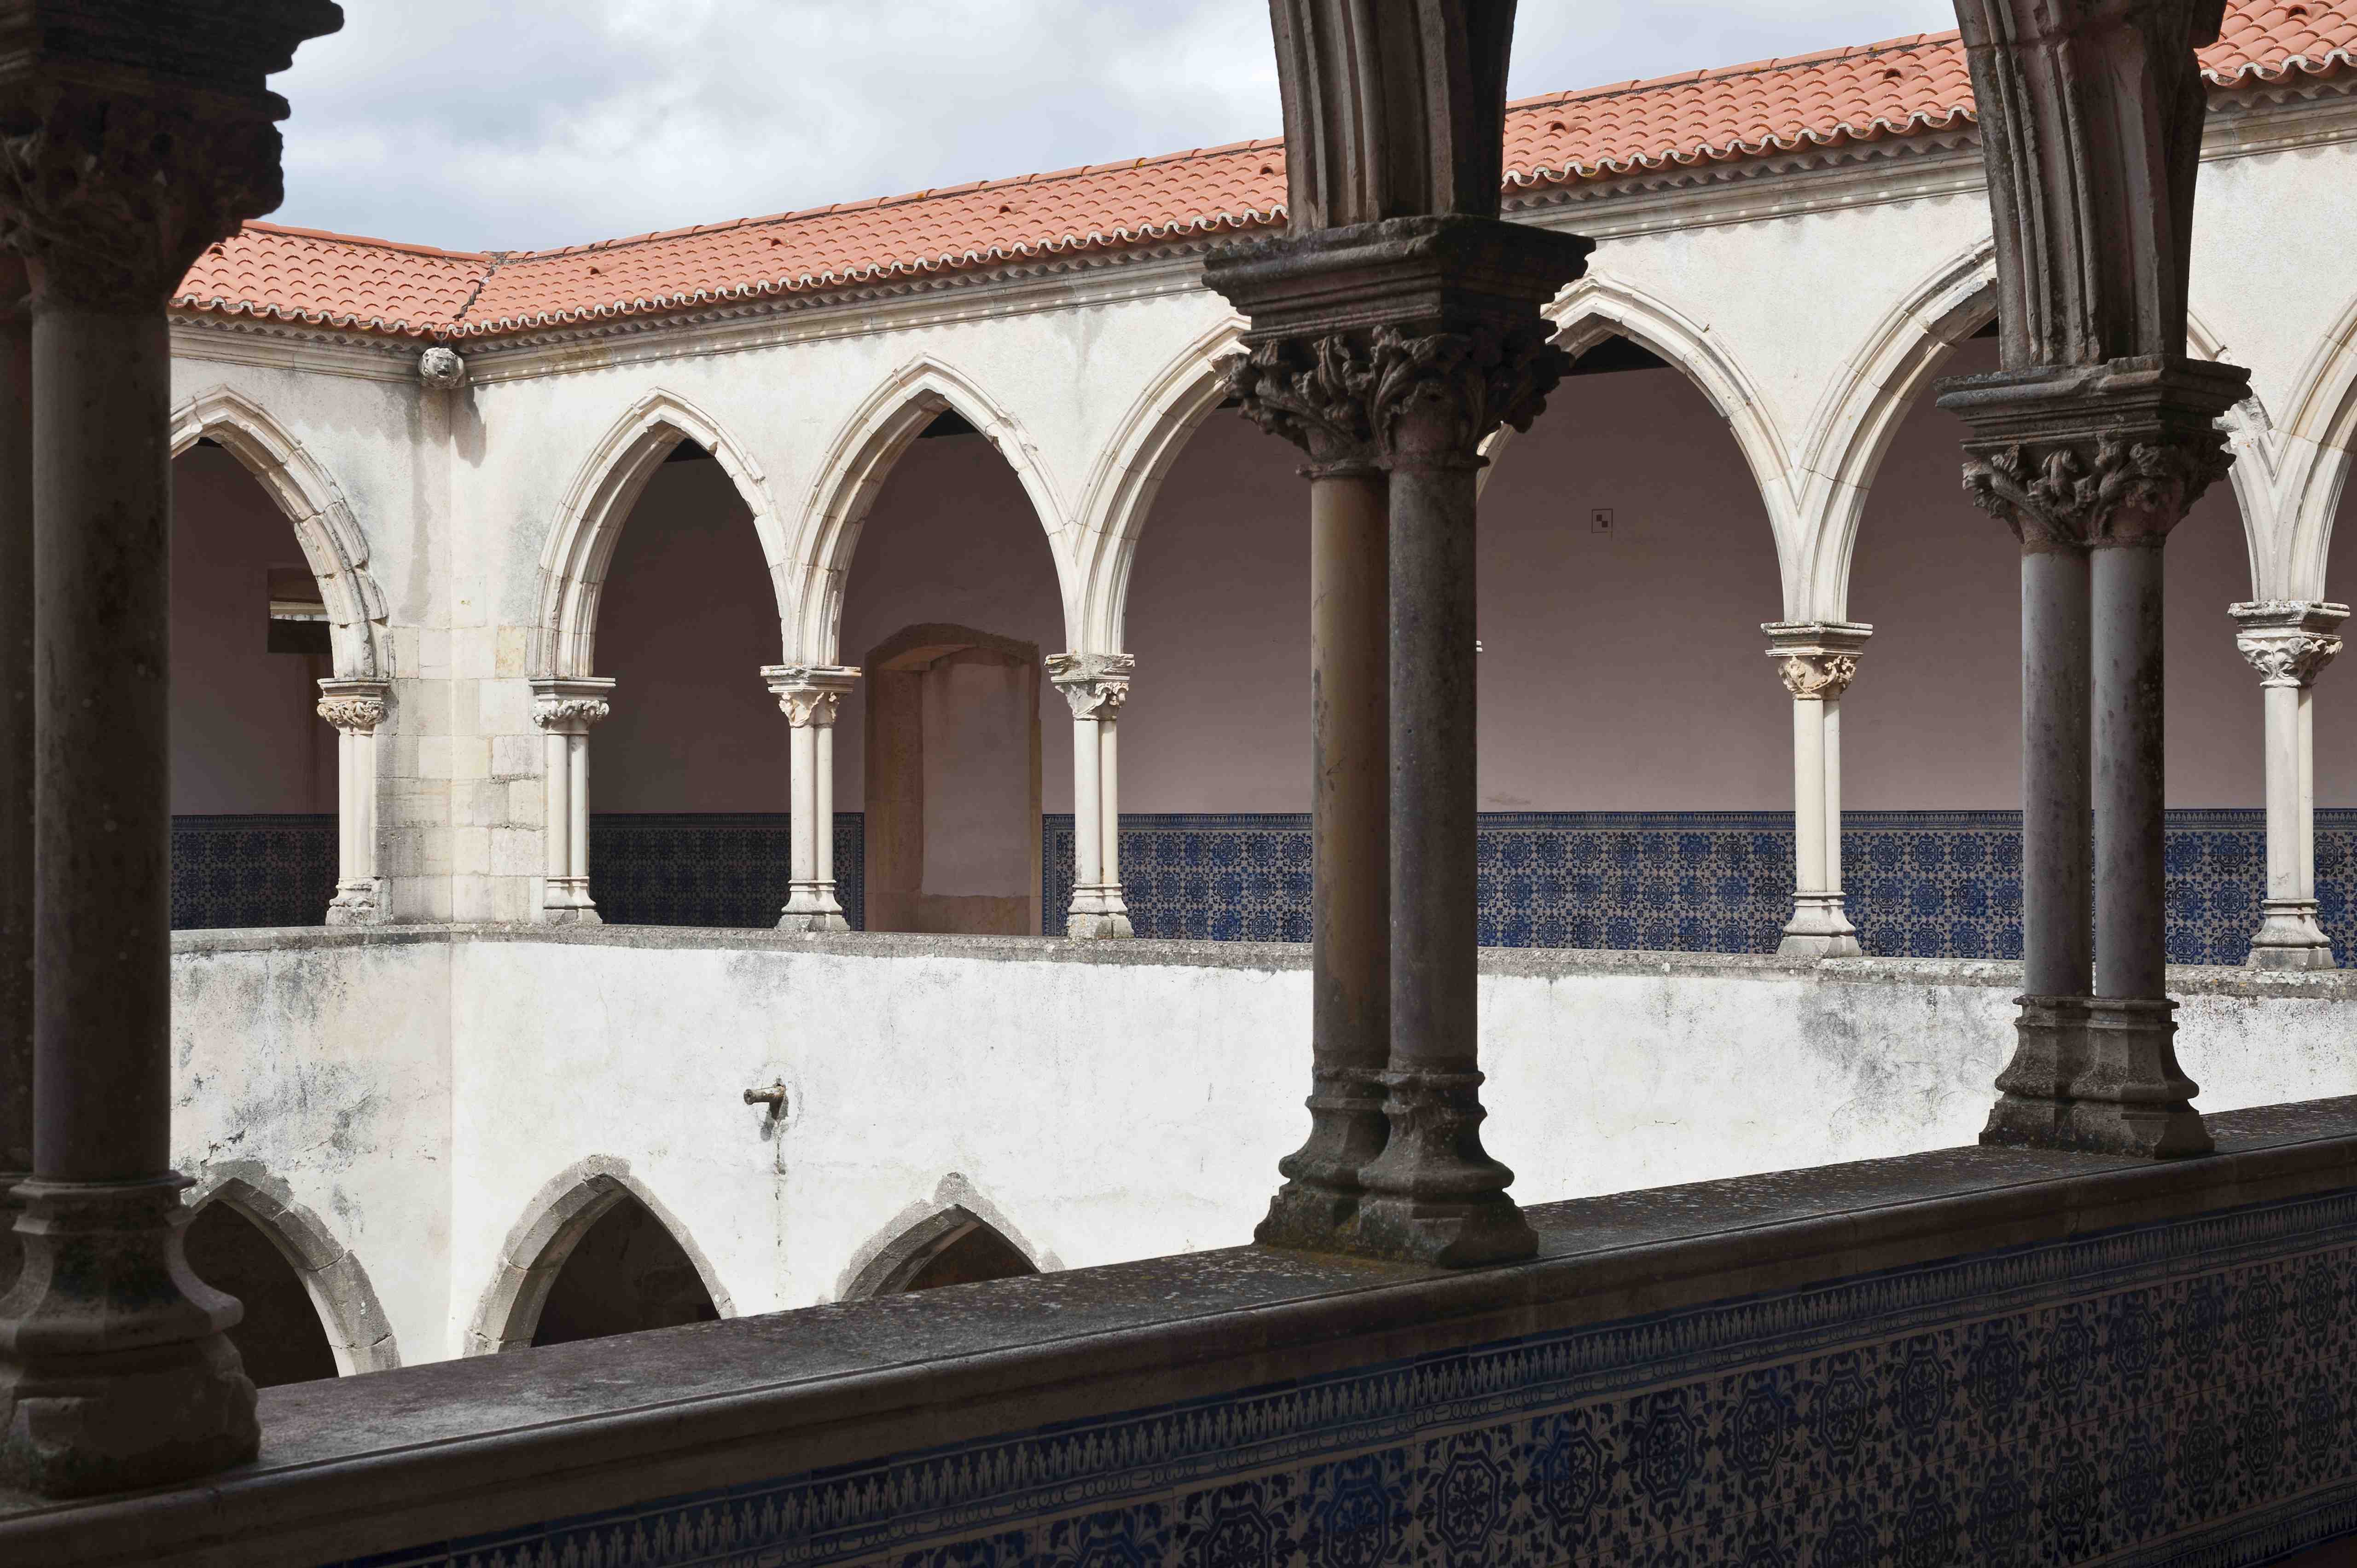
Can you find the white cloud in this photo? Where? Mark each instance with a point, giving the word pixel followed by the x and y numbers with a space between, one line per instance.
pixel 482 123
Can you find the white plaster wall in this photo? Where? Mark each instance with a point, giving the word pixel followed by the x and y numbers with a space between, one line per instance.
pixel 327 1068
pixel 420 1093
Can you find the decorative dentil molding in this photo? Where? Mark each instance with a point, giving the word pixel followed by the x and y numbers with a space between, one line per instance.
pixel 810 694
pixel 1816 660
pixel 1094 685
pixel 2287 641
pixel 2102 489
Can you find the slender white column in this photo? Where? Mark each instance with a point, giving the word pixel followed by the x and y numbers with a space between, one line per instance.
pixel 564 707
pixel 809 695
pixel 1817 661
pixel 2287 641
pixel 355 708
pixel 1095 685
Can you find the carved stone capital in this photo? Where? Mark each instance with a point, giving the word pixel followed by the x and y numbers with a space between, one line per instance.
pixel 810 694
pixel 2287 641
pixel 570 704
pixel 2104 455
pixel 1816 660
pixel 1095 684
pixel 1312 392
pixel 112 195
pixel 355 707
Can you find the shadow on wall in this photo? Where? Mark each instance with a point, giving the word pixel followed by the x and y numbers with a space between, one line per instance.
pixel 626 1274
pixel 952 779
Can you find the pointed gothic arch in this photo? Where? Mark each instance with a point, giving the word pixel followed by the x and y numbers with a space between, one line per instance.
pixel 334 545
pixel 1128 475
pixel 560 1215
pixel 1597 307
pixel 2315 443
pixel 341 1295
pixel 597 503
pixel 952 1245
pixel 857 462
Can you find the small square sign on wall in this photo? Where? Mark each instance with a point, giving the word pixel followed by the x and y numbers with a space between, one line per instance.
pixel 1601 521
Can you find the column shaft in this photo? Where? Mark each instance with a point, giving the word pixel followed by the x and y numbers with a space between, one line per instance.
pixel 556 830
pixel 2284 704
pixel 1809 794
pixel 1109 805
pixel 1349 898
pixel 103 768
pixel 803 780
pixel 1832 849
pixel 1087 834
pixel 2056 902
pixel 823 812
pixel 16 750
pixel 2304 797
pixel 577 866
pixel 2131 884
pixel 1434 1193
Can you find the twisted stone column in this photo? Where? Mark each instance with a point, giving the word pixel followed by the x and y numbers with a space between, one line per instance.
pixel 128 144
pixel 2287 643
pixel 809 695
pixel 1095 685
pixel 355 708
pixel 564 707
pixel 1817 661
pixel 2091 467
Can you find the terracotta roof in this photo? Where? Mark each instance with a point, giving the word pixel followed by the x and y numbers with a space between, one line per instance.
pixel 1901 86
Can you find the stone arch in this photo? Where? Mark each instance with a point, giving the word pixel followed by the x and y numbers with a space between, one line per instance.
pixel 340 1291
pixel 589 522
pixel 1128 474
pixel 2316 438
pixel 902 1263
pixel 859 459
pixel 1597 308
pixel 923 1231
pixel 334 545
pixel 559 1215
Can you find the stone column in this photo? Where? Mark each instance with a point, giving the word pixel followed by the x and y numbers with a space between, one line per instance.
pixel 16 750
pixel 809 695
pixel 2091 465
pixel 564 707
pixel 1095 685
pixel 1817 661
pixel 355 708
pixel 2287 643
pixel 129 149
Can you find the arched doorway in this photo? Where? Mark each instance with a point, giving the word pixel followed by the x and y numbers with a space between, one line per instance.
pixel 626 1273
pixel 687 800
pixel 280 1339
pixel 254 766
pixel 953 762
pixel 952 596
pixel 953 1247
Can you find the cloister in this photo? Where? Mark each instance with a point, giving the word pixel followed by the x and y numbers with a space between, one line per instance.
pixel 542 971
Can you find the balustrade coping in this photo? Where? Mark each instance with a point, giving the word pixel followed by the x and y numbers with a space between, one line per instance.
pixel 454 1448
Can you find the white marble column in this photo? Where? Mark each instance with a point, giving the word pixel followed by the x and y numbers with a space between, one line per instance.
pixel 355 708
pixel 1095 685
pixel 1817 661
pixel 564 707
pixel 2287 641
pixel 809 696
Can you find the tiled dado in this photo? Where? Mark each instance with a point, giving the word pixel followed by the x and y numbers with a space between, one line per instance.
pixel 1919 884
pixel 276 870
pixel 2177 1393
pixel 710 868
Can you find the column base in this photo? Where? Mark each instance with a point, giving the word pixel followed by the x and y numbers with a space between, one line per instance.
pixel 2097 1076
pixel 115 1369
pixel 2289 938
pixel 1433 1196
pixel 357 904
pixel 811 909
pixel 567 902
pixel 1819 929
pixel 1316 1210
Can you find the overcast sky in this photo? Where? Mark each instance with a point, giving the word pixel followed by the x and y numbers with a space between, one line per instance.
pixel 526 123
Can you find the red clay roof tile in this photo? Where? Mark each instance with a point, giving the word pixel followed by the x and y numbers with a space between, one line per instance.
pixel 1899 87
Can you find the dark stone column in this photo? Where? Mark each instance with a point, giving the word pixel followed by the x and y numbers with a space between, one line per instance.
pixel 115 172
pixel 15 752
pixel 1396 347
pixel 2092 466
